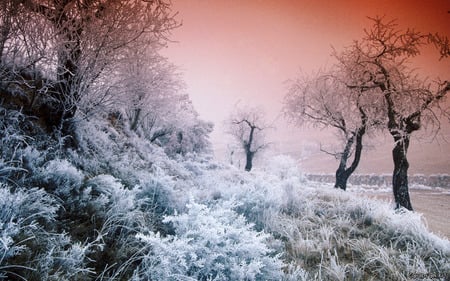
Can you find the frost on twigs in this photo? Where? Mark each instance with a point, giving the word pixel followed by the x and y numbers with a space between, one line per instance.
pixel 210 243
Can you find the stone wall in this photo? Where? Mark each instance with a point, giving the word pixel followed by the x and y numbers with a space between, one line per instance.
pixel 439 180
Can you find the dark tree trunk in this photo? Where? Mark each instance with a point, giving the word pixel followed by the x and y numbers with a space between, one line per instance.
pixel 248 150
pixel 69 31
pixel 134 123
pixel 343 173
pixel 400 175
pixel 4 33
pixel 249 160
pixel 400 129
pixel 341 178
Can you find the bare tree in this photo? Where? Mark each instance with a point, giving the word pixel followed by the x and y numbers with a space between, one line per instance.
pixel 380 62
pixel 248 127
pixel 9 10
pixel 88 38
pixel 326 101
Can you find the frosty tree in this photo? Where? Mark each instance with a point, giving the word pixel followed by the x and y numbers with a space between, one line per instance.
pixel 9 11
pixel 149 89
pixel 380 62
pixel 248 127
pixel 326 101
pixel 85 39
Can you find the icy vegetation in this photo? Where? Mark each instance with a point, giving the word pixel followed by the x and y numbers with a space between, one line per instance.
pixel 122 208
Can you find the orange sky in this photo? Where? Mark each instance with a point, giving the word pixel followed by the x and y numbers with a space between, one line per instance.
pixel 243 51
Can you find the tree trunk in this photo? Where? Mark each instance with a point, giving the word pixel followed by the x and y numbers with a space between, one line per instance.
pixel 400 129
pixel 400 175
pixel 343 173
pixel 249 160
pixel 4 33
pixel 248 150
pixel 68 77
pixel 342 176
pixel 134 123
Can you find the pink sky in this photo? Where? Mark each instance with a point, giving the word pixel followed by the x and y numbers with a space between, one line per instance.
pixel 243 51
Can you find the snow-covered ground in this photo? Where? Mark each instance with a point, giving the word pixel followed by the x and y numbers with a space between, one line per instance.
pixel 432 202
pixel 120 208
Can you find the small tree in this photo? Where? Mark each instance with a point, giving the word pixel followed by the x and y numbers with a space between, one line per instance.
pixel 248 127
pixel 188 134
pixel 150 89
pixel 326 101
pixel 380 62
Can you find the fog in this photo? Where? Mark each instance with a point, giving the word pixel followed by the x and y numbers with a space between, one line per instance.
pixel 243 52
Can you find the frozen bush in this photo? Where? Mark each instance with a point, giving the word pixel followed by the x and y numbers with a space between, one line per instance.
pixel 12 141
pixel 29 246
pixel 210 244
pixel 62 178
pixel 63 259
pixel 114 207
pixel 24 145
pixel 284 167
pixel 155 199
pixel 26 233
pixel 107 188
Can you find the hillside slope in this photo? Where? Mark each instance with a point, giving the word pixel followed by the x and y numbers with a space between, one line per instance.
pixel 117 207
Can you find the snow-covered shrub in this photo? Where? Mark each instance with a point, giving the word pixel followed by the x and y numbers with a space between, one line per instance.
pixel 295 273
pixel 118 213
pixel 20 211
pixel 156 200
pixel 190 135
pixel 115 216
pixel 100 146
pixel 284 167
pixel 62 178
pixel 24 147
pixel 12 140
pixel 110 203
pixel 61 258
pixel 210 244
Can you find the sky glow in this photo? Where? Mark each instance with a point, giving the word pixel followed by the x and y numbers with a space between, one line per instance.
pixel 244 52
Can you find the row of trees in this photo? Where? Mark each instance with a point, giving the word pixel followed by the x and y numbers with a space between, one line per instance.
pixel 372 88
pixel 62 60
